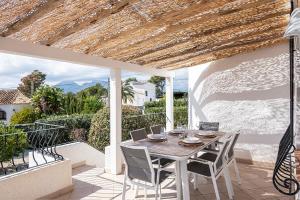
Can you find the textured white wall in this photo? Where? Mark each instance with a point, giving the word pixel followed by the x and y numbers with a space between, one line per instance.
pixel 247 92
pixel 10 109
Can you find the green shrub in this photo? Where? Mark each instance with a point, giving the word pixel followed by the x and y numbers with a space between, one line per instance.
pixel 12 142
pixel 25 116
pixel 76 126
pixel 92 104
pixel 100 128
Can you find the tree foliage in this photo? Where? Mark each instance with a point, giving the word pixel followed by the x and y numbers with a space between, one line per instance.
pixel 48 100
pixel 159 83
pixel 25 116
pixel 89 100
pixel 127 91
pixel 31 82
pixel 92 104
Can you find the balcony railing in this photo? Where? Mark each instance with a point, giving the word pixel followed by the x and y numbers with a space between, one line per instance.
pixel 28 146
pixel 283 176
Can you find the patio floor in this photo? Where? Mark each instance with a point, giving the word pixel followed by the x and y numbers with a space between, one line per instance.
pixel 92 183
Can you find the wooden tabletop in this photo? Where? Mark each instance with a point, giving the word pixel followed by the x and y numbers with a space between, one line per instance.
pixel 171 148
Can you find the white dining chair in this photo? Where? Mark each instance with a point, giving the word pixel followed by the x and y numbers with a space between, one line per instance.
pixel 211 154
pixel 213 169
pixel 139 171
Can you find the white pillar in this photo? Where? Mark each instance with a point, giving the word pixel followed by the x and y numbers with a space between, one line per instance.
pixel 115 121
pixel 169 104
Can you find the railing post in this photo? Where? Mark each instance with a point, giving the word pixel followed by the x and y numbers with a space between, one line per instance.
pixel 169 104
pixel 115 121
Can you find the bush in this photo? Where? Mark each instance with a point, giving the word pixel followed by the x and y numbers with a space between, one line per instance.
pixel 92 104
pixel 180 113
pixel 14 142
pixel 98 136
pixel 76 126
pixel 25 116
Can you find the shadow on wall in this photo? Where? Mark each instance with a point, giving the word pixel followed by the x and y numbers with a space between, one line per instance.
pixel 247 93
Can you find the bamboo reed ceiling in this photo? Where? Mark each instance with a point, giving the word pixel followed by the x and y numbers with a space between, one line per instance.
pixel 167 34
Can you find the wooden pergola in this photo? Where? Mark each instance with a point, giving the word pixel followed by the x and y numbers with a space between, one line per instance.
pixel 149 36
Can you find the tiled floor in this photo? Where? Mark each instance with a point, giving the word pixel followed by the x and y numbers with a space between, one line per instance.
pixel 92 183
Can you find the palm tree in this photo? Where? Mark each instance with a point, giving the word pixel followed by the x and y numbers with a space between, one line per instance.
pixel 127 92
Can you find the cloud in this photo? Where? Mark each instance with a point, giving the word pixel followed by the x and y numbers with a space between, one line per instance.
pixel 14 67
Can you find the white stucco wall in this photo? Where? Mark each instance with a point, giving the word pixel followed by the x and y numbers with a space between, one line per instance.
pixel 37 182
pixel 10 109
pixel 247 92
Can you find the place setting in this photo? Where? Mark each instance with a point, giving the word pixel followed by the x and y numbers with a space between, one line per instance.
pixel 191 141
pixel 157 137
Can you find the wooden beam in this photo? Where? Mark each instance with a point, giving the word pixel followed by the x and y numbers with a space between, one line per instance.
pixel 209 41
pixel 264 36
pixel 67 18
pixel 128 20
pixel 159 37
pixel 12 46
pixel 224 53
pixel 30 16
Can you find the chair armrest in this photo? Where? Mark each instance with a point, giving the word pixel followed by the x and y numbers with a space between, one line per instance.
pixel 211 151
pixel 201 161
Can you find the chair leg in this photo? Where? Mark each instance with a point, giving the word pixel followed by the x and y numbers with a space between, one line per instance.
pixel 237 171
pixel 136 191
pixel 214 181
pixel 145 191
pixel 156 191
pixel 195 181
pixel 228 183
pixel 159 191
pixel 124 188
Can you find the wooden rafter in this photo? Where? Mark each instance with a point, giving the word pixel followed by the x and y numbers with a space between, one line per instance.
pixel 219 38
pixel 223 54
pixel 185 32
pixel 157 34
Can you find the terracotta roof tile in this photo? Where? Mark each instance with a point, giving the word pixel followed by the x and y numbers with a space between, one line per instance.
pixel 13 96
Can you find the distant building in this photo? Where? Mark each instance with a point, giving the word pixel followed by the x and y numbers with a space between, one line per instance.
pixel 143 92
pixel 11 101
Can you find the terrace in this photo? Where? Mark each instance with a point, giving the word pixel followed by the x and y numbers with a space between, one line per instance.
pixel 241 74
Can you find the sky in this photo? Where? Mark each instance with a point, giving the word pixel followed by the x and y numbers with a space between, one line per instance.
pixel 14 67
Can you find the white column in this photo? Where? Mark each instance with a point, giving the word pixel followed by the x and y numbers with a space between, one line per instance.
pixel 115 121
pixel 169 104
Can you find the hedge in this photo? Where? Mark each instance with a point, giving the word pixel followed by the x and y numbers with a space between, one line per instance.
pixel 77 125
pixel 131 120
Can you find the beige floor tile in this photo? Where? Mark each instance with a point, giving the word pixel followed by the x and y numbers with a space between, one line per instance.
pixel 92 183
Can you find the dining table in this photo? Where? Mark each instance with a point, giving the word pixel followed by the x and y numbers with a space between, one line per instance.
pixel 173 148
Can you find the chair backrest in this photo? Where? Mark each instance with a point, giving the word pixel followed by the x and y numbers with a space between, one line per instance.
pixel 231 148
pixel 156 129
pixel 139 134
pixel 220 160
pixel 138 163
pixel 209 126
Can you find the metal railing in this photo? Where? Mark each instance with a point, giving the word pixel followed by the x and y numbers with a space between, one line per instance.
pixel 29 146
pixel 283 175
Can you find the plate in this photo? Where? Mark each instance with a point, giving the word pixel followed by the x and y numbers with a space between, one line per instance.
pixel 191 140
pixel 157 137
pixel 176 131
pixel 206 133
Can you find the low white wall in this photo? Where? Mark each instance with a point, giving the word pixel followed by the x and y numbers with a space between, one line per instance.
pixel 38 182
pixel 80 152
pixel 247 92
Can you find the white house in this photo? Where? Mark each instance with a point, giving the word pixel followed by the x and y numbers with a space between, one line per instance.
pixel 143 92
pixel 11 101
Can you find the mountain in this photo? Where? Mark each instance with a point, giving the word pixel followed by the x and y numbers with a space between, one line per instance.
pixel 71 86
pixel 180 85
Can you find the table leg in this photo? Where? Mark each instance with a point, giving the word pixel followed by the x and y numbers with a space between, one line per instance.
pixel 178 180
pixel 185 180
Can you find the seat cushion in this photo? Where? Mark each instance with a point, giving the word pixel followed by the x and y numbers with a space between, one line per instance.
pixel 198 168
pixel 209 156
pixel 163 175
